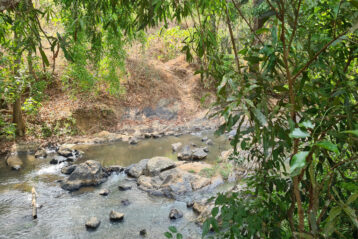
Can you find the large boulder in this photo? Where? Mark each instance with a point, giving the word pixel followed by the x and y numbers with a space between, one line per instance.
pixel 14 162
pixel 89 173
pixel 192 154
pixel 198 154
pixel 158 164
pixel 185 153
pixel 172 183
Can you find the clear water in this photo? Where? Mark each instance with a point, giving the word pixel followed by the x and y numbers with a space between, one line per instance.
pixel 63 214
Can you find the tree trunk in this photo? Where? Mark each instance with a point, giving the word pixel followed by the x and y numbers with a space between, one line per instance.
pixel 16 108
pixel 17 117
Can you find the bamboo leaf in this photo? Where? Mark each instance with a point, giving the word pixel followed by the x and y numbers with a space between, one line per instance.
pixel 44 57
pixel 328 145
pixel 298 133
pixel 307 124
pixel 298 162
pixel 355 132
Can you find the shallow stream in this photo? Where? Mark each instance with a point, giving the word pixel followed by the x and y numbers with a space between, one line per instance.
pixel 63 214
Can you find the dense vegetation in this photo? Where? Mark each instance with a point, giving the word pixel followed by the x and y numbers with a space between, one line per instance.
pixel 288 68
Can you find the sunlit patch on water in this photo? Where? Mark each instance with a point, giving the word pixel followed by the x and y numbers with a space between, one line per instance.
pixel 51 169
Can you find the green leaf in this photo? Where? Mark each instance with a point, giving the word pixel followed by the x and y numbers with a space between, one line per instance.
pixel 206 227
pixel 330 222
pixel 222 84
pixel 298 133
pixel 172 229
pixel 168 235
pixel 351 214
pixel 355 132
pixel 215 211
pixel 352 198
pixel 179 236
pixel 261 117
pixel 262 30
pixel 298 162
pixel 44 57
pixel 307 124
pixel 328 145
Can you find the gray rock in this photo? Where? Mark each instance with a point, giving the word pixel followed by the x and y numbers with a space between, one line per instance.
pixel 138 169
pixel 185 153
pixel 175 214
pixel 93 223
pixel 199 154
pixel 116 216
pixel 209 142
pixel 176 146
pixel 204 139
pixel 114 169
pixel 206 150
pixel 133 141
pixel 145 182
pixel 124 187
pixel 57 159
pixel 65 152
pixel 159 164
pixel 199 183
pixel 125 202
pixel 14 162
pixel 143 232
pixel 103 192
pixel 89 173
pixel 41 153
pixel 156 135
pixel 68 169
pixel 189 204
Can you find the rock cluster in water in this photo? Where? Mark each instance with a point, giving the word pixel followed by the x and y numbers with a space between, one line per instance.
pixel 89 173
pixel 162 176
pixel 187 153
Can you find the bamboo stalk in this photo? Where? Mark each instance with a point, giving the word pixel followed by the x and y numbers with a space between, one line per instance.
pixel 34 205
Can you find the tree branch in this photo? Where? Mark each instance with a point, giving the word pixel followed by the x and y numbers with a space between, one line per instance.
pixel 316 56
pixel 232 38
pixel 243 17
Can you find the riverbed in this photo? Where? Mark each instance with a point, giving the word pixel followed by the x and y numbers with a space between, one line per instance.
pixel 62 214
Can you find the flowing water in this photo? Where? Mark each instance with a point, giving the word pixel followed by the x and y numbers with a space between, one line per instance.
pixel 63 214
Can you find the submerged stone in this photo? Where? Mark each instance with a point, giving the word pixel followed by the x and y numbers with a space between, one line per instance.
pixel 14 162
pixel 124 187
pixel 175 214
pixel 93 223
pixel 116 216
pixel 104 192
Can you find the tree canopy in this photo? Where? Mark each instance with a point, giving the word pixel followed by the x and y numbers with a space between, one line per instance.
pixel 288 68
